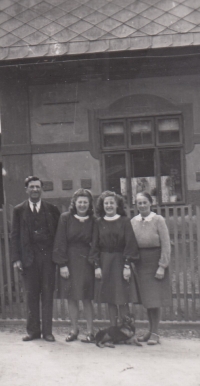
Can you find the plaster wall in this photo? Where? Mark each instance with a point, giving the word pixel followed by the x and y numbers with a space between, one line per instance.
pixel 21 127
pixel 58 113
pixel 73 166
pixel 193 166
pixel 95 95
pixel 99 95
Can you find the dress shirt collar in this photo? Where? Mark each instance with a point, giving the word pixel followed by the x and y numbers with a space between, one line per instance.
pixel 37 207
pixel 147 218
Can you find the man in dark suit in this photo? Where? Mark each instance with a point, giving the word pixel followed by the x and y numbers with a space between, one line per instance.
pixel 33 230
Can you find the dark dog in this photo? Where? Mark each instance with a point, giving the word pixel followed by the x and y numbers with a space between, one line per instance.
pixel 124 333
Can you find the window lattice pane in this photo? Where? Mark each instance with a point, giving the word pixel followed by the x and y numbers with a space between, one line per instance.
pixel 113 134
pixel 168 130
pixel 171 178
pixel 141 132
pixel 115 173
pixel 149 152
pixel 143 173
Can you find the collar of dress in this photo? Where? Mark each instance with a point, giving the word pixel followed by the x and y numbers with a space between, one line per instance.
pixel 147 218
pixel 107 218
pixel 81 219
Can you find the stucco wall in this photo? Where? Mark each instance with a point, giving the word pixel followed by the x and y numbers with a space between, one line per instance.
pixel 67 166
pixel 57 113
pixel 193 166
pixel 74 101
pixel 99 95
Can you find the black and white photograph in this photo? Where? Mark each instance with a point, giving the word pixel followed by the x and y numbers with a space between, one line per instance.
pixel 100 192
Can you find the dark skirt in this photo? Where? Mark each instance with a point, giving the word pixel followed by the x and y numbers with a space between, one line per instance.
pixel 154 292
pixel 112 288
pixel 80 284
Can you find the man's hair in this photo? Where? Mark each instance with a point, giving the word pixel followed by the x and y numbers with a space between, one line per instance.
pixel 31 178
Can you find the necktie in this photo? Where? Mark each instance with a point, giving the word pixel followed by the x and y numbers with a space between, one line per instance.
pixel 34 209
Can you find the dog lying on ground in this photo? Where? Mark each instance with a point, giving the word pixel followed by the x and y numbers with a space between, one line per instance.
pixel 124 333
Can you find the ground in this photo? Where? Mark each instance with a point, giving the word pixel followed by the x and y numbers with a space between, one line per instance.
pixel 174 362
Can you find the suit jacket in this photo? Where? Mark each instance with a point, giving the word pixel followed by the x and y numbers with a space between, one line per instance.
pixel 21 243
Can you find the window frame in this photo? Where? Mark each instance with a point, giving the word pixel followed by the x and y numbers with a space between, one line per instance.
pixel 161 144
pixel 102 135
pixel 159 175
pixel 128 149
pixel 103 163
pixel 129 120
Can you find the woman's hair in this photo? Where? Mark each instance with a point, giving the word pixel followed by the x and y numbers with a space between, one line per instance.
pixel 81 193
pixel 119 200
pixel 145 194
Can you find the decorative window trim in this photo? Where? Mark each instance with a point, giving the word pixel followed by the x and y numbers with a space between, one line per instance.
pixel 157 149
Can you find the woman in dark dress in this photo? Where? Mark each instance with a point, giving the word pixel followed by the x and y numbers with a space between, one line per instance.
pixel 154 245
pixel 114 248
pixel 71 251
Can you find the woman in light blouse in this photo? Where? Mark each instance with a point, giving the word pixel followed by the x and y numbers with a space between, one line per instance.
pixel 154 245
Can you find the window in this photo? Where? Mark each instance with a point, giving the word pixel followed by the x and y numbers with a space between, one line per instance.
pixel 113 134
pixel 144 154
pixel 141 132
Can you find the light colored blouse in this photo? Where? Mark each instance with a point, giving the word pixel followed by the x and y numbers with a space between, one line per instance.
pixel 152 231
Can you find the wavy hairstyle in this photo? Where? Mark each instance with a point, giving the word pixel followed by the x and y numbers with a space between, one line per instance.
pixel 81 193
pixel 100 212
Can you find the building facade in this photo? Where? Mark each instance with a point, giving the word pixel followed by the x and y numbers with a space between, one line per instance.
pixel 110 101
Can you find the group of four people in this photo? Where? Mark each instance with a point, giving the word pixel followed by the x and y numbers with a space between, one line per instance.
pixel 106 257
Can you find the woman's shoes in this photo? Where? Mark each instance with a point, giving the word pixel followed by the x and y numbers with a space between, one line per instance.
pixel 154 339
pixel 150 338
pixel 145 337
pixel 88 339
pixel 72 336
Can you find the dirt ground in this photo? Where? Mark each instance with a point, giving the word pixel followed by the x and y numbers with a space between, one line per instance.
pixel 174 362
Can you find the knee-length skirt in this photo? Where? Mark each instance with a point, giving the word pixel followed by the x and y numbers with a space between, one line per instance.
pixel 154 292
pixel 80 284
pixel 113 288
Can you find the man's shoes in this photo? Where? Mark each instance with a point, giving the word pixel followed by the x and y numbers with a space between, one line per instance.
pixel 49 338
pixel 29 337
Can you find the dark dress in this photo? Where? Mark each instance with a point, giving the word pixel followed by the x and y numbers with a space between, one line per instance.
pixel 71 249
pixel 114 243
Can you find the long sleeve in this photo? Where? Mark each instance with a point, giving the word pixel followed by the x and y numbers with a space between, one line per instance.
pixel 15 237
pixel 113 236
pixel 164 242
pixel 94 256
pixel 131 248
pixel 56 216
pixel 60 243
